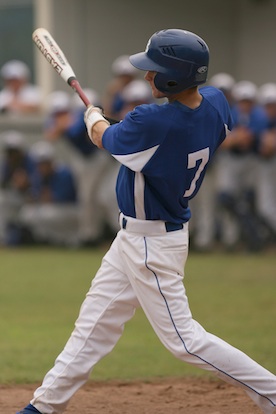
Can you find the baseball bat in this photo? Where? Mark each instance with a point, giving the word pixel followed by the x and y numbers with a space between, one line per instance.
pixel 55 56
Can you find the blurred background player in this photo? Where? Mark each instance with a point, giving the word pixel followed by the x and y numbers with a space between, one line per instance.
pixel 224 82
pixel 65 126
pixel 137 92
pixel 236 170
pixel 122 74
pixel 51 214
pixel 17 168
pixel 18 94
pixel 266 170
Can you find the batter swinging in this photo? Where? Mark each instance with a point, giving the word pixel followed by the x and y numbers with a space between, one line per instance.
pixel 164 151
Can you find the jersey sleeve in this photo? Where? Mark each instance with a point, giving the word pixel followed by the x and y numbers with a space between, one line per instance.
pixel 135 139
pixel 217 99
pixel 226 113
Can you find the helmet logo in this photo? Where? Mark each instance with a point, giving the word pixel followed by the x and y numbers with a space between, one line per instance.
pixel 202 69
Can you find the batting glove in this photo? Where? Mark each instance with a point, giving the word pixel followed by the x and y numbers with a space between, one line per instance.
pixel 92 116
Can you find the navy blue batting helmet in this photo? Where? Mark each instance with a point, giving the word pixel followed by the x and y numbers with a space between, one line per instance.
pixel 179 57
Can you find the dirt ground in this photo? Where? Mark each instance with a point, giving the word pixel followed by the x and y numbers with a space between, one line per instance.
pixel 166 396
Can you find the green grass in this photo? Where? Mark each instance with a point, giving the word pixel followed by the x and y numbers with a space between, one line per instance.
pixel 41 290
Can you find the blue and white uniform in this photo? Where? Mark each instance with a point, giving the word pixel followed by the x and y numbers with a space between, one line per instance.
pixel 164 151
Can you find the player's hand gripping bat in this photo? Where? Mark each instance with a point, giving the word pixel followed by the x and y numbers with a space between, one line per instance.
pixel 54 55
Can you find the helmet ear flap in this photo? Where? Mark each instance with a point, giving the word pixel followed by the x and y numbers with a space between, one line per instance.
pixel 174 81
pixel 164 84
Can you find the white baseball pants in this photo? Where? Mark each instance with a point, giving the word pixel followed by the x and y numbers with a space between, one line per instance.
pixel 144 267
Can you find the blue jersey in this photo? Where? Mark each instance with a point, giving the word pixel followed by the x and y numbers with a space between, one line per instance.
pixel 164 151
pixel 60 183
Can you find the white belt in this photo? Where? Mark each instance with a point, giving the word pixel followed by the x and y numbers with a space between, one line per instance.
pixel 148 227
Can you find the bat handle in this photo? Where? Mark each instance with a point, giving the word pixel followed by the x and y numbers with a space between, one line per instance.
pixel 72 81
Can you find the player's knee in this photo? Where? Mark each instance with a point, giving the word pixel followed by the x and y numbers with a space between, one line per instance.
pixel 182 348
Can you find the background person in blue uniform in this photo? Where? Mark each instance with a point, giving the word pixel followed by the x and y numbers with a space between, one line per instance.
pixel 266 168
pixel 164 150
pixel 16 171
pixel 236 171
pixel 65 127
pixel 51 214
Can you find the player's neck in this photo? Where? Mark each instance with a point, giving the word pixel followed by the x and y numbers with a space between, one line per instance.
pixel 190 97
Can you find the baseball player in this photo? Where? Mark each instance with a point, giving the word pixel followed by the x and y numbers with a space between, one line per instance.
pixel 164 150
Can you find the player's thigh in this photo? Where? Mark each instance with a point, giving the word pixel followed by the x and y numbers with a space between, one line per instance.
pixel 108 305
pixel 156 274
pixel 111 292
pixel 111 288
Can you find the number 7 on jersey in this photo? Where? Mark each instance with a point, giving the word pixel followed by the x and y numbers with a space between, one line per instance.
pixel 203 156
